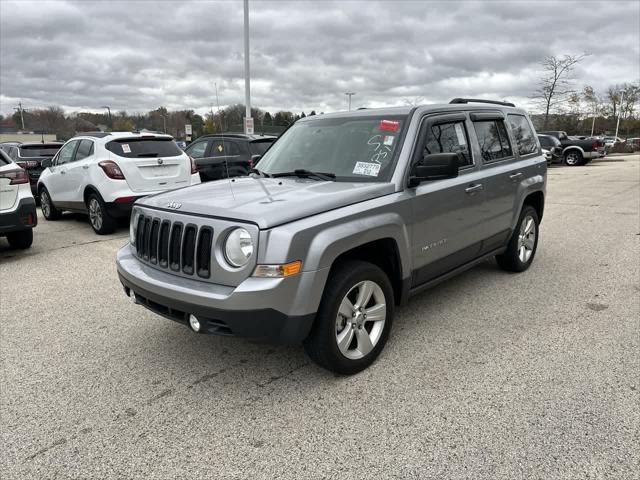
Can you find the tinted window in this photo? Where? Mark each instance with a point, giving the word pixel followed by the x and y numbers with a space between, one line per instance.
pixel 85 149
pixel 66 153
pixel 354 148
pixel 448 138
pixel 222 148
pixel 144 147
pixel 4 158
pixel 259 147
pixel 27 151
pixel 493 140
pixel 525 140
pixel 198 149
pixel 545 142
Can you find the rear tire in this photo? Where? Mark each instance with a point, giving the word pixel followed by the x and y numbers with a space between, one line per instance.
pixel 100 220
pixel 343 339
pixel 22 239
pixel 523 243
pixel 49 211
pixel 573 158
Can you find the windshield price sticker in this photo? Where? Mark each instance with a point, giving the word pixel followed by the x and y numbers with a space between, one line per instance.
pixel 126 148
pixel 388 140
pixel 460 134
pixel 389 125
pixel 366 168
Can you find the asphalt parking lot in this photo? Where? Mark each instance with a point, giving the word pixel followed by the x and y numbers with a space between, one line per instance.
pixel 489 375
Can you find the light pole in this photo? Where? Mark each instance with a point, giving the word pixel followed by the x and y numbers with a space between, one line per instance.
pixel 622 92
pixel 247 86
pixel 109 111
pixel 349 94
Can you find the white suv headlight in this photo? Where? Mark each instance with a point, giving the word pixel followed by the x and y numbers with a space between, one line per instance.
pixel 238 247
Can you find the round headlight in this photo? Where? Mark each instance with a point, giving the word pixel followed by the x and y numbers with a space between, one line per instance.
pixel 238 248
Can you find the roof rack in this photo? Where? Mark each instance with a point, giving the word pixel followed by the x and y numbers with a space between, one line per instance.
pixel 94 134
pixel 479 100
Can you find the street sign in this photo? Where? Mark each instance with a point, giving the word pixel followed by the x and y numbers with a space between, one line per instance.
pixel 187 129
pixel 248 125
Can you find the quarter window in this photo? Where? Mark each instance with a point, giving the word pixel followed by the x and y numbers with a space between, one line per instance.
pixel 449 138
pixel 65 155
pixel 493 140
pixel 525 140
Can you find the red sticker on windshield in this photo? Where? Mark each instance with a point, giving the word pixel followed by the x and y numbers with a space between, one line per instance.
pixel 389 125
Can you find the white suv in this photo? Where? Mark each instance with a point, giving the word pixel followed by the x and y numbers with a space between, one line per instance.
pixel 17 206
pixel 103 174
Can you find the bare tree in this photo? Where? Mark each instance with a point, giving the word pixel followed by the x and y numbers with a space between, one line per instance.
pixel 589 95
pixel 414 101
pixel 557 84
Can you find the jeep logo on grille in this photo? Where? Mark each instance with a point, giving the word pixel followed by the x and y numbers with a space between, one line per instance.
pixel 174 205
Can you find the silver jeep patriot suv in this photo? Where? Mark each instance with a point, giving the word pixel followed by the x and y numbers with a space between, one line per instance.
pixel 345 217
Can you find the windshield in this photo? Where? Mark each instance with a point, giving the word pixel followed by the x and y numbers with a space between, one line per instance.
pixel 354 148
pixel 35 151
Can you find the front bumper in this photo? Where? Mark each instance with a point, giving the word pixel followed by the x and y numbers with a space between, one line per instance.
pixel 275 309
pixel 21 218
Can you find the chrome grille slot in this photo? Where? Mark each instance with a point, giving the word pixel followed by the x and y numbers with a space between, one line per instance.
pixel 189 249
pixel 175 241
pixel 203 252
pixel 153 251
pixel 163 244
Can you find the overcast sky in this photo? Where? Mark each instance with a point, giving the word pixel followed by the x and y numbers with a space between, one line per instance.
pixel 136 56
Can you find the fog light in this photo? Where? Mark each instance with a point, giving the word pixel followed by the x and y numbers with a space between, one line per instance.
pixel 132 296
pixel 195 324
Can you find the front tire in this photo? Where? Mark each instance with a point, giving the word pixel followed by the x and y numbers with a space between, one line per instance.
pixel 354 318
pixel 573 158
pixel 523 243
pixel 101 222
pixel 49 211
pixel 21 240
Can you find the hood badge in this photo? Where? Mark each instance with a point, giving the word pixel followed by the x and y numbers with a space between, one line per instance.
pixel 174 205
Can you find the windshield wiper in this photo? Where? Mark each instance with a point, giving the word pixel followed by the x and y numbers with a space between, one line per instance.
pixel 302 173
pixel 259 172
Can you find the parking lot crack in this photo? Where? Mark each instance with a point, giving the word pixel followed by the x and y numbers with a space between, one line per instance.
pixel 60 441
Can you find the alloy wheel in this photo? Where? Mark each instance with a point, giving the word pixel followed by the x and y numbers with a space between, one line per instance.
pixel 360 320
pixel 526 239
pixel 572 158
pixel 95 214
pixel 45 203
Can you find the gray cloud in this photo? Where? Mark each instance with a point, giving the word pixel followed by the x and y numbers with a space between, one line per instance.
pixel 138 55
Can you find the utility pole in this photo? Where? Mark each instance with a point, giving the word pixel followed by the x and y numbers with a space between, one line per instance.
pixel 248 120
pixel 109 111
pixel 622 92
pixel 349 94
pixel 21 110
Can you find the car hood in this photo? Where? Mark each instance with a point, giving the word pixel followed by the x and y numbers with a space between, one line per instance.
pixel 267 202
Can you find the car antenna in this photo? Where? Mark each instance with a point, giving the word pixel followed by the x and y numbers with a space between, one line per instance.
pixel 224 147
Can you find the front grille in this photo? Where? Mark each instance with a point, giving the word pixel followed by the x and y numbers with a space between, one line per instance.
pixel 175 246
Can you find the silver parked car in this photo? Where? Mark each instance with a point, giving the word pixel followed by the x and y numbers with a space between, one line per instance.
pixel 346 216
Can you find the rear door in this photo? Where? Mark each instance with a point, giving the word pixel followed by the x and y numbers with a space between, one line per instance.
pixel 448 214
pixel 151 163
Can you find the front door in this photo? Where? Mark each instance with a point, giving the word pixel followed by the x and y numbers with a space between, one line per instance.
pixel 448 217
pixel 58 184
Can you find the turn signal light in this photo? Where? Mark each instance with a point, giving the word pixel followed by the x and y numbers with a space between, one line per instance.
pixel 277 271
pixel 111 169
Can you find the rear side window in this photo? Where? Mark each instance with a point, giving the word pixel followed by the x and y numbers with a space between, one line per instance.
pixel 144 147
pixel 37 151
pixel 449 138
pixel 525 139
pixel 223 148
pixel 259 147
pixel 492 139
pixel 85 149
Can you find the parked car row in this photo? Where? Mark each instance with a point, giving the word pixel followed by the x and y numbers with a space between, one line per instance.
pixel 29 156
pixel 17 205
pixel 574 151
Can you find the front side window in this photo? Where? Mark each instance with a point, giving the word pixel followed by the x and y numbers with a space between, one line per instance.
pixel 525 139
pixel 492 139
pixel 85 149
pixel 198 149
pixel 354 148
pixel 65 155
pixel 449 138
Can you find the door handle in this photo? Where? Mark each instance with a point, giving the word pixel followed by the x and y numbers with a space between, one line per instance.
pixel 471 189
pixel 85 166
pixel 515 176
pixel 62 172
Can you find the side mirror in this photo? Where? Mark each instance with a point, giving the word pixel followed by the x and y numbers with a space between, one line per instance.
pixel 435 166
pixel 46 163
pixel 255 159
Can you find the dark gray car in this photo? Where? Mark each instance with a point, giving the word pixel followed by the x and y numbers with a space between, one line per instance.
pixel 347 216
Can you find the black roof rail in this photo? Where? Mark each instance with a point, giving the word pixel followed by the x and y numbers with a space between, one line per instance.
pixel 479 100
